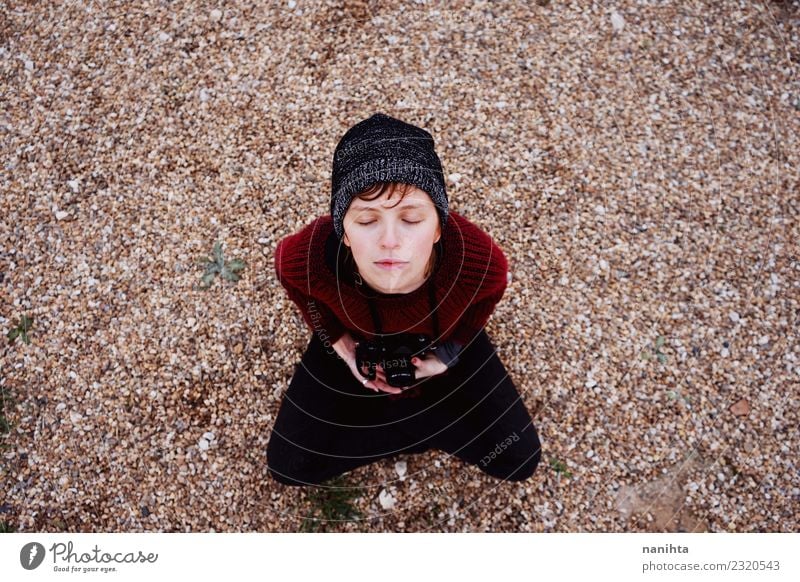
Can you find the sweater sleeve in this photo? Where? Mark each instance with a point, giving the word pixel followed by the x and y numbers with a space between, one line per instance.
pixel 448 352
pixel 294 274
pixel 493 287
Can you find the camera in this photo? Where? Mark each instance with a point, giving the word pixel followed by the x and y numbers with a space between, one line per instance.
pixel 394 354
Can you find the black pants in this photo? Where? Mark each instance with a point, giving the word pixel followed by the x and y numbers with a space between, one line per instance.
pixel 328 423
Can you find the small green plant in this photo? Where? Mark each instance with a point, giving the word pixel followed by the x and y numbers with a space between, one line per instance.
pixel 675 394
pixel 6 401
pixel 217 266
pixel 657 351
pixel 332 502
pixel 21 330
pixel 560 467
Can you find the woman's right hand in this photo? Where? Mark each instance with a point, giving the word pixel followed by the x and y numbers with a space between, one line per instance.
pixel 346 348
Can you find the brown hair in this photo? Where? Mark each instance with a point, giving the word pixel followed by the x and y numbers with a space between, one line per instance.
pixel 378 189
pixel 367 195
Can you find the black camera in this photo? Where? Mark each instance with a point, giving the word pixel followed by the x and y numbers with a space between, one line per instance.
pixel 394 354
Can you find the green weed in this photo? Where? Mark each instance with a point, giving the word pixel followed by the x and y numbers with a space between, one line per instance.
pixel 21 330
pixel 560 468
pixel 332 502
pixel 657 351
pixel 675 394
pixel 6 402
pixel 217 266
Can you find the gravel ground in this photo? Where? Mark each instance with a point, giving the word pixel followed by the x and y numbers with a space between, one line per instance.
pixel 637 162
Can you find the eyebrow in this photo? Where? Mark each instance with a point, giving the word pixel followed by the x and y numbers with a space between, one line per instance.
pixel 374 208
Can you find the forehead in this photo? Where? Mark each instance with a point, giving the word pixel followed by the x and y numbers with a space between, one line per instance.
pixel 415 198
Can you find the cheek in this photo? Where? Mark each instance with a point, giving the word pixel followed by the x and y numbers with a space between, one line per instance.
pixel 359 248
pixel 426 247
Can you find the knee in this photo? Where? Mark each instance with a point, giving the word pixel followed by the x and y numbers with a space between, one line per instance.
pixel 292 473
pixel 526 468
pixel 518 467
pixel 284 467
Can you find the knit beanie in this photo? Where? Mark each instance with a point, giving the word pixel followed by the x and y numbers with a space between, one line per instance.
pixel 384 149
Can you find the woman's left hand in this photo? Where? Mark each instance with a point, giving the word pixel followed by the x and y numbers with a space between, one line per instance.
pixel 428 366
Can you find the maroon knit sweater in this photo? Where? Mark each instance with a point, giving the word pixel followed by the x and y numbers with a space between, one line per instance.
pixel 469 279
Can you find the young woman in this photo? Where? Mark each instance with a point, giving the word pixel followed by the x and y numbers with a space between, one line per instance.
pixel 392 266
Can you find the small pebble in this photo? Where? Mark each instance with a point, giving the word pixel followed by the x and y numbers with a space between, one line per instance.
pixel 617 21
pixel 386 499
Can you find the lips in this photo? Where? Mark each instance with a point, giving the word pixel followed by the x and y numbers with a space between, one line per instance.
pixel 391 265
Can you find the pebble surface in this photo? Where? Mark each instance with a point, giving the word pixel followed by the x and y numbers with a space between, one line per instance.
pixel 636 161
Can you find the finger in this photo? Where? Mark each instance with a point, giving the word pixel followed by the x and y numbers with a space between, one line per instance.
pixel 384 387
pixel 421 366
pixel 361 379
pixel 428 367
pixel 370 386
pixel 380 372
pixel 365 370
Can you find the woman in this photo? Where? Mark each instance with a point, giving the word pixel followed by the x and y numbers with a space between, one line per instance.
pixel 408 272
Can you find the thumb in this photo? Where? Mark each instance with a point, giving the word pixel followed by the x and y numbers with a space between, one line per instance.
pixel 368 384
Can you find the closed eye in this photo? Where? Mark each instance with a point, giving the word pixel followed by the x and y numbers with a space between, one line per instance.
pixel 406 221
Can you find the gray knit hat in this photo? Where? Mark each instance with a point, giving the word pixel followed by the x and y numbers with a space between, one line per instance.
pixel 385 149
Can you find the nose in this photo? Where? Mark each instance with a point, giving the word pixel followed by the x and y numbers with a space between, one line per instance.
pixel 389 237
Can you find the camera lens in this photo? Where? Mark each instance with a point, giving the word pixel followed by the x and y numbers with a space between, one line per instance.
pixel 398 368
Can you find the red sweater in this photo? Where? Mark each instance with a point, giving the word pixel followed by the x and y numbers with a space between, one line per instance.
pixel 469 280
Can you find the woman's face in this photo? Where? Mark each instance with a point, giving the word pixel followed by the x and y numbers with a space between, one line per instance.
pixel 405 234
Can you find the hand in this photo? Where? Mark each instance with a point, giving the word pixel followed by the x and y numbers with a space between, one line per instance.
pixel 346 348
pixel 428 366
pixel 425 367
